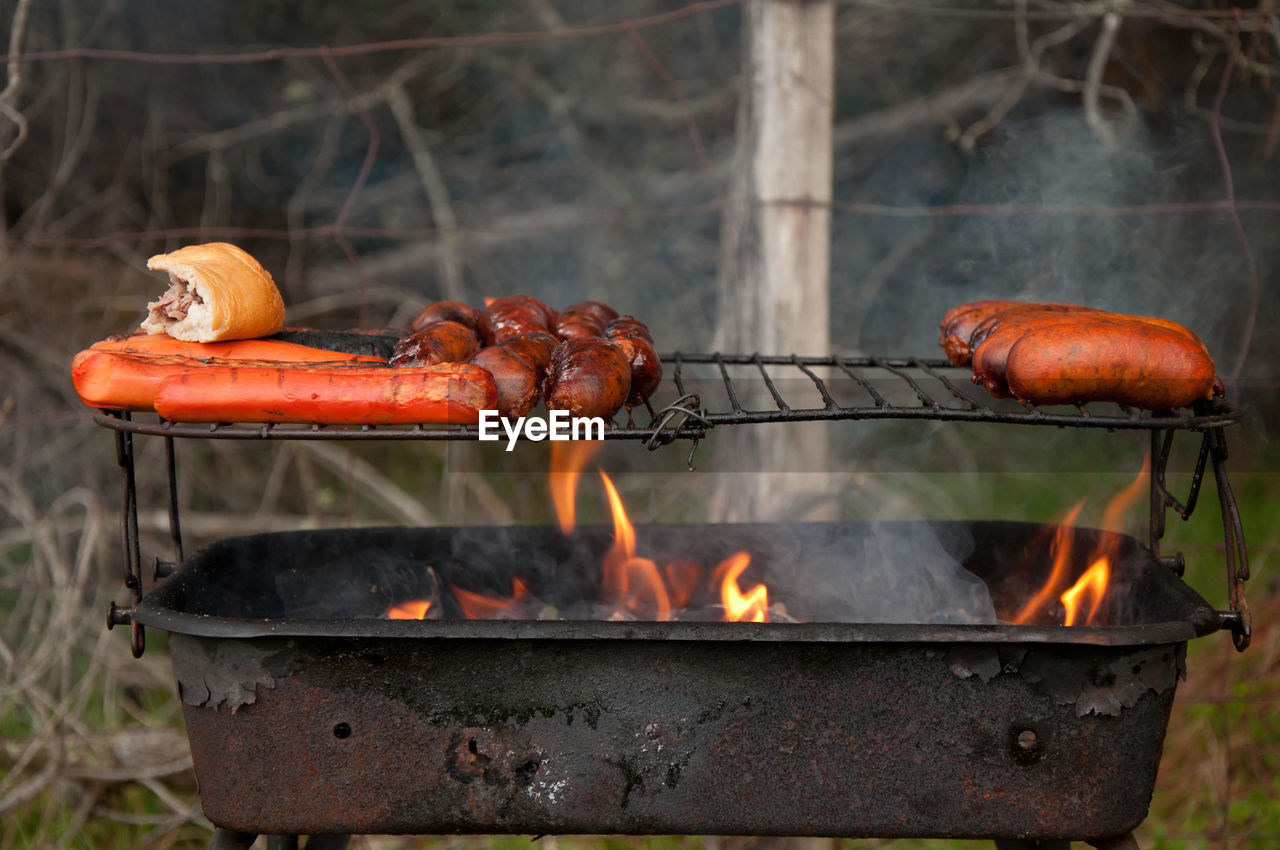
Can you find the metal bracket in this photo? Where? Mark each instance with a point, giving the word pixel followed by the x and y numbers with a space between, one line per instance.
pixel 1213 447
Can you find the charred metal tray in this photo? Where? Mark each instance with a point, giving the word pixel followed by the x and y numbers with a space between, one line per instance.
pixel 308 713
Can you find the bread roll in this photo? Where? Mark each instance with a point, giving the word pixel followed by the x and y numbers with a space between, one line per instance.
pixel 217 292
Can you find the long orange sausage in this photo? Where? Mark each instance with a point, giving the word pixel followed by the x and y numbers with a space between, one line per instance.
pixel 447 393
pixel 126 380
pixel 240 349
pixel 1135 363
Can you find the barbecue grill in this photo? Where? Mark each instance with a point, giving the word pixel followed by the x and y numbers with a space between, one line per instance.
pixel 308 713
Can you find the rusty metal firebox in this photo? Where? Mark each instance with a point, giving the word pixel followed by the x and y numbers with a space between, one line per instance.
pixel 372 725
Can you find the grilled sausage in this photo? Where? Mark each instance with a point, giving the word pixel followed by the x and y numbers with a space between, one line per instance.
pixel 516 380
pixel 578 321
pixel 633 338
pixel 958 334
pixel 439 342
pixel 587 377
pixel 958 323
pixel 629 326
pixel 994 338
pixel 1135 363
pixel 449 311
pixel 535 348
pixel 516 314
pixel 599 309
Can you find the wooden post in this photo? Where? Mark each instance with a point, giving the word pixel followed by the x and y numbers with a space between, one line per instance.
pixel 774 277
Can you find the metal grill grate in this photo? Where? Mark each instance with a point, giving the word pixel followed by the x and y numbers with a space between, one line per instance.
pixel 740 389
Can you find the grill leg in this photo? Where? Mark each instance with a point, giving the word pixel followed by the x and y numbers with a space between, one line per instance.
pixel 227 839
pixel 328 842
pixel 1122 842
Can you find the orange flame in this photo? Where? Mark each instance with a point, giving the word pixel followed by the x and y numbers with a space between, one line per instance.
pixel 1061 549
pixel 752 606
pixel 568 458
pixel 1113 516
pixel 1094 580
pixel 477 606
pixel 414 609
pixel 1094 583
pixel 629 580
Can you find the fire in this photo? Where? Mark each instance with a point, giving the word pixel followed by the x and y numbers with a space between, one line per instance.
pixel 477 606
pixel 753 606
pixel 1094 583
pixel 629 580
pixel 568 459
pixel 1061 549
pixel 633 587
pixel 414 609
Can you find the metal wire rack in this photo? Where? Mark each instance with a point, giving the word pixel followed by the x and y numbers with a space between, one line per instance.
pixel 713 390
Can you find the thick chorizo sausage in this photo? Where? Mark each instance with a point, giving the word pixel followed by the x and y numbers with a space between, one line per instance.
pixel 633 338
pixel 587 377
pixel 516 314
pixel 535 348
pixel 439 342
pixel 957 336
pixel 516 380
pixel 1135 363
pixel 599 309
pixel 958 323
pixel 449 311
pixel 576 322
pixel 994 338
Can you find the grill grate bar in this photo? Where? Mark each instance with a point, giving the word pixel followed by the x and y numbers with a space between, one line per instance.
pixel 768 382
pixel 728 384
pixel 924 397
pixel 876 398
pixel 946 382
pixel 822 388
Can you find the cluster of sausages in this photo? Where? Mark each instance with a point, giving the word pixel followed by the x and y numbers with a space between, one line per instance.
pixel 585 359
pixel 1046 353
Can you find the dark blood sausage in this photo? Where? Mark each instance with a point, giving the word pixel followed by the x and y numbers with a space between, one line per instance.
pixel 993 339
pixel 516 314
pixel 534 347
pixel 646 369
pixel 629 326
pixel 1137 363
pixel 599 309
pixel 587 377
pixel 440 342
pixel 449 311
pixel 516 380
pixel 578 321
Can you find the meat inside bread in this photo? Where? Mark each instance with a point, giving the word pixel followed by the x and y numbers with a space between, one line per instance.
pixel 216 292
